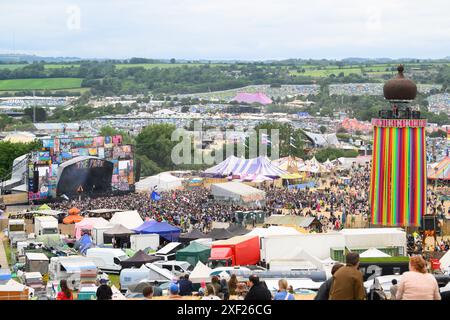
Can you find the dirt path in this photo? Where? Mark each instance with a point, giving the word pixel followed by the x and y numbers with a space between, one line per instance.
pixel 3 259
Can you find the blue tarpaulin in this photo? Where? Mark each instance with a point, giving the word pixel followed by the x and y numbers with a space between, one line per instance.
pixel 164 229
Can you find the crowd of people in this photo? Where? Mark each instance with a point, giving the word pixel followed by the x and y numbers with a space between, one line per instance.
pixel 331 203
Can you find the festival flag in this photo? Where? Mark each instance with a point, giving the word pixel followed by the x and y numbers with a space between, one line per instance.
pixel 155 196
pixel 292 142
pixel 265 139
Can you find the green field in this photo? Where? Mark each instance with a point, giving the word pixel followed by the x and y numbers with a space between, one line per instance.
pixel 40 84
pixel 325 72
pixel 11 66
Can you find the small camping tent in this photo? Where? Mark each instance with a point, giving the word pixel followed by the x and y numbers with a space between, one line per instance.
pixel 164 229
pixel 193 253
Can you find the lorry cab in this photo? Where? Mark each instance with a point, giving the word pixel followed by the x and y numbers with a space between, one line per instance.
pixel 221 257
pixel 107 259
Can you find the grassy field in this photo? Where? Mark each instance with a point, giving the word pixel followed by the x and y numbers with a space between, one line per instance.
pixel 325 72
pixel 40 84
pixel 11 66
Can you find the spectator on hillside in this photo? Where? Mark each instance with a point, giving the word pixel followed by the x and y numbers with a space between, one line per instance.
pixel 257 290
pixel 324 290
pixel 417 283
pixel 185 286
pixel 348 281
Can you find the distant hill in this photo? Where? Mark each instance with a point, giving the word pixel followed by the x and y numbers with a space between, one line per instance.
pixel 12 58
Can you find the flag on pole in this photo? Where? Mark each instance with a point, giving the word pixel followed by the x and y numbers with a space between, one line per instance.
pixel 155 196
pixel 291 142
pixel 265 139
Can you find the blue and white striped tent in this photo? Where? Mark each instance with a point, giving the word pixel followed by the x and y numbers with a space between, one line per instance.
pixel 244 167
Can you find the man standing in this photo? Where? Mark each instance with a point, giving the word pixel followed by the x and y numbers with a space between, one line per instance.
pixel 348 281
pixel 185 286
pixel 257 291
pixel 157 291
pixel 104 291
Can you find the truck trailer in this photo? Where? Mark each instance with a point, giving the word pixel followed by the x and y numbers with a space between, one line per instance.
pixel 236 251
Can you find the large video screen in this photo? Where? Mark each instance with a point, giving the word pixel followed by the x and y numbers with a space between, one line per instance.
pixel 43 165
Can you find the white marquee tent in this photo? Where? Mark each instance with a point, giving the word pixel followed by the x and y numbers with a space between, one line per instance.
pixel 129 219
pixel 162 182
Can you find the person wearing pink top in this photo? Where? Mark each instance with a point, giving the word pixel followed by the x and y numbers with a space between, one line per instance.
pixel 418 284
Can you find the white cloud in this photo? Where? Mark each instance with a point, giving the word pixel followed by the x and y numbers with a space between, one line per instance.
pixel 214 29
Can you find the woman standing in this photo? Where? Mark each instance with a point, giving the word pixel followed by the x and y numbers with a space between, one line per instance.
pixel 232 285
pixel 65 293
pixel 417 283
pixel 283 293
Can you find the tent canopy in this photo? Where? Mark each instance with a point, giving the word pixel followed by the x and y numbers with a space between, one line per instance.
pixel 237 230
pixel 193 253
pixel 163 182
pixel 89 224
pixel 374 253
pixel 244 167
pixel 129 219
pixel 298 221
pixel 194 234
pixel 138 259
pixel 219 234
pixel 118 231
pixel 236 191
pixel 200 273
pixel 164 229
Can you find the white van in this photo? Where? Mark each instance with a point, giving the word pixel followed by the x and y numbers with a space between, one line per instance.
pixel 176 267
pixel 107 259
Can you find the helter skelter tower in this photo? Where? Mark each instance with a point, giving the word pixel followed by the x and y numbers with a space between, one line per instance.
pixel 398 177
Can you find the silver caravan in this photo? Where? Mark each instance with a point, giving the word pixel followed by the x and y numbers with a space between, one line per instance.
pixel 130 277
pixel 70 268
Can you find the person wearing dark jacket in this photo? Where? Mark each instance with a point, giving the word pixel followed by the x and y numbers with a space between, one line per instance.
pixel 324 289
pixel 185 286
pixel 257 291
pixel 104 291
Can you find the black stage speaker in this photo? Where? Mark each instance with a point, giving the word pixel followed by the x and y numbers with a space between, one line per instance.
pixel 35 181
pixel 430 223
pixel 138 171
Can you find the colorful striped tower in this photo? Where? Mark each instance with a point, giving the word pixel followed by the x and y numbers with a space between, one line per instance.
pixel 398 180
pixel 398 177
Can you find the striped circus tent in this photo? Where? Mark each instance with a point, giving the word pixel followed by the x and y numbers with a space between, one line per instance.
pixel 260 166
pixel 441 171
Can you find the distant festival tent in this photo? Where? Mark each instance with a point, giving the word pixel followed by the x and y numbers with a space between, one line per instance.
pixel 164 229
pixel 138 259
pixel 243 167
pixel 257 97
pixel 440 171
pixel 290 164
pixel 219 234
pixel 163 182
pixel 237 192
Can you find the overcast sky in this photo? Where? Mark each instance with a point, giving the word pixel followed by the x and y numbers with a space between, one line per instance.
pixel 226 29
